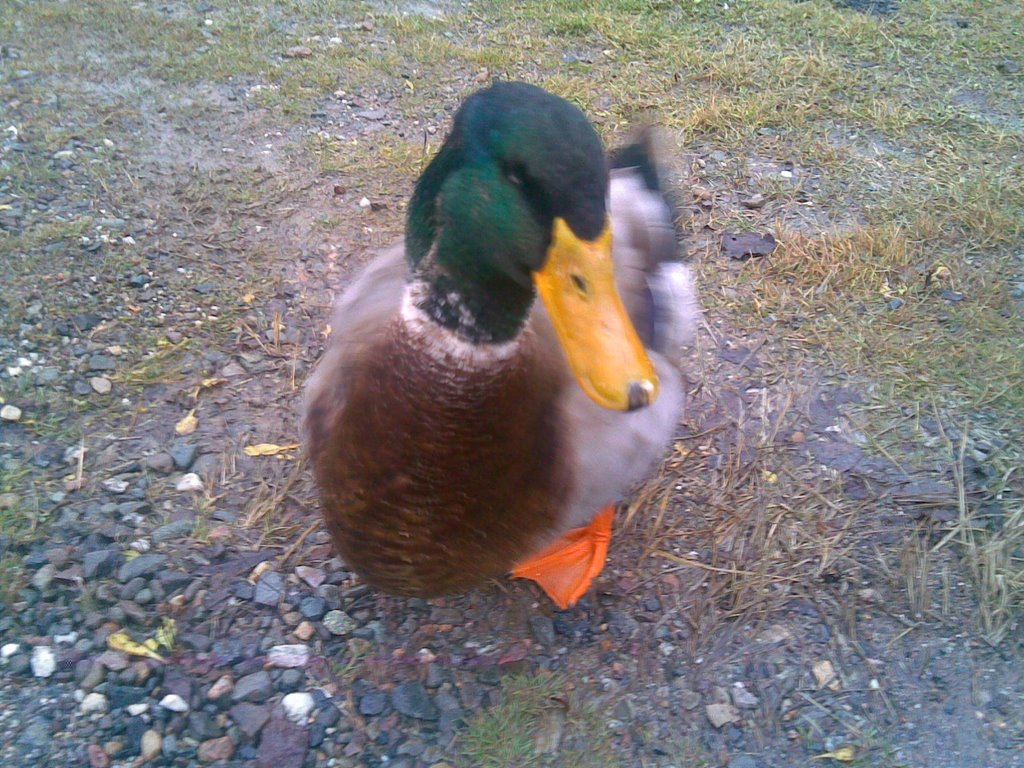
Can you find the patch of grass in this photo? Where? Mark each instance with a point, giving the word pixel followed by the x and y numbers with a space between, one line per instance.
pixel 538 722
pixel 159 365
pixel 18 525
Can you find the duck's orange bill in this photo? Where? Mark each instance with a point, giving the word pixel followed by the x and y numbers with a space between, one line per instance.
pixel 577 285
pixel 567 568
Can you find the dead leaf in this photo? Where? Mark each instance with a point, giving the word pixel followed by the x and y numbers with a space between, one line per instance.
pixel 299 52
pixel 743 245
pixel 188 424
pixel 268 449
pixel 120 641
pixel 166 634
pixel 843 755
pixel 249 298
pixel 825 675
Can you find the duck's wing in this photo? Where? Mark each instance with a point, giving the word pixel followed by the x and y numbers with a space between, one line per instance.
pixel 359 318
pixel 657 288
pixel 610 450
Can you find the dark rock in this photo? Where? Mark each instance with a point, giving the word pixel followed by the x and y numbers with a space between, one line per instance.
pixel 328 715
pixel 178 529
pixel 435 675
pixel 269 589
pixel 160 462
pixel 143 565
pixel 243 590
pixel 317 734
pixel 543 629
pixel 100 563
pixel 448 704
pixel 86 321
pixel 133 731
pixel 291 680
pixel 172 581
pixel 412 699
pixel 313 608
pixel 102 363
pixel 183 454
pixel 202 726
pixel 282 745
pixel 372 703
pixel 196 641
pixel 132 588
pixel 254 688
pixel 119 696
pixel 38 734
pixel 250 718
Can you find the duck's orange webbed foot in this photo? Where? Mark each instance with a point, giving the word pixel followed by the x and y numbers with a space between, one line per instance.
pixel 567 568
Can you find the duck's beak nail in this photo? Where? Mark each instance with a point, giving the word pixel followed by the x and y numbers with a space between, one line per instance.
pixel 640 394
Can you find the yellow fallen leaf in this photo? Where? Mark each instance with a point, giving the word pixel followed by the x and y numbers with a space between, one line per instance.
pixel 770 477
pixel 249 298
pixel 843 755
pixel 188 424
pixel 120 641
pixel 166 634
pixel 131 554
pixel 5 207
pixel 212 382
pixel 268 449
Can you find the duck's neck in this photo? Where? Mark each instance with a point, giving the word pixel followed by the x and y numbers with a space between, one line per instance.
pixel 449 343
pixel 491 314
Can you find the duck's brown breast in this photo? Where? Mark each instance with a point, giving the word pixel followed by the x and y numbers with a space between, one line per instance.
pixel 435 475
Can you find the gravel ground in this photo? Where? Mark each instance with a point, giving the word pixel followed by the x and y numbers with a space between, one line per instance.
pixel 720 634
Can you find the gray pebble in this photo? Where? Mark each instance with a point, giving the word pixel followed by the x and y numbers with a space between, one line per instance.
pixel 412 699
pixel 269 589
pixel 339 623
pixel 143 565
pixel 102 363
pixel 543 629
pixel 256 687
pixel 178 529
pixel 183 454
pixel 371 704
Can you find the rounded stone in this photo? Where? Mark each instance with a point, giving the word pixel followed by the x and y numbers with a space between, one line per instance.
pixel 297 706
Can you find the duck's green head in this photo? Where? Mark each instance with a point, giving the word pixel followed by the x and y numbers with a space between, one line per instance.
pixel 513 202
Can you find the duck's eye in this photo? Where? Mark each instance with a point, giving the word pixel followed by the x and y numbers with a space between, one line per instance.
pixel 581 284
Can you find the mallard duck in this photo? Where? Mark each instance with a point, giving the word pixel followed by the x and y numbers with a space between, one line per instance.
pixel 458 429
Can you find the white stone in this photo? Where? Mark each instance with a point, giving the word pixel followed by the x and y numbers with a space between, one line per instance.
pixel 190 482
pixel 364 203
pixel 137 709
pixel 93 703
pixel 44 663
pixel 10 413
pixel 100 385
pixel 297 706
pixel 174 703
pixel 8 650
pixel 115 485
pixel 69 639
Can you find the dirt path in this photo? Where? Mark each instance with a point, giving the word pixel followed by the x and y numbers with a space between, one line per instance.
pixel 774 595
